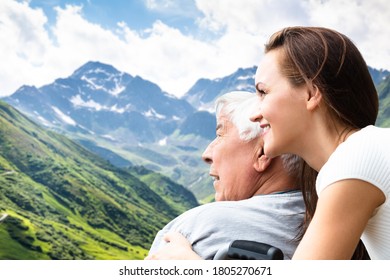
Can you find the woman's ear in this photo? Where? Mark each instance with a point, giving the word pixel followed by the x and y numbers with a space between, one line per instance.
pixel 262 162
pixel 314 98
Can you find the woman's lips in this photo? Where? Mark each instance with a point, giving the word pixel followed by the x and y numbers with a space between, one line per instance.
pixel 265 128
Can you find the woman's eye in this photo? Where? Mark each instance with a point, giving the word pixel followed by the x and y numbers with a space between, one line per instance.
pixel 262 92
pixel 260 89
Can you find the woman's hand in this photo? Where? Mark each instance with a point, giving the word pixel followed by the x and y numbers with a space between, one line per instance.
pixel 177 248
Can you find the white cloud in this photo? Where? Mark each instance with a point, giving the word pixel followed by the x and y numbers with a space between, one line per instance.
pixel 160 4
pixel 24 42
pixel 21 31
pixel 182 8
pixel 78 41
pixel 31 52
pixel 365 22
pixel 257 17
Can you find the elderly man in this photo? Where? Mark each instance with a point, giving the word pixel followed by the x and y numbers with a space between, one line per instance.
pixel 257 198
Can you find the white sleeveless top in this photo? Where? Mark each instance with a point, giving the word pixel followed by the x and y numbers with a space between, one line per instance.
pixel 365 155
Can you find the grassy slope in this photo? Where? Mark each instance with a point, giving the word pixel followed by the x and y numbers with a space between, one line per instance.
pixel 384 103
pixel 67 203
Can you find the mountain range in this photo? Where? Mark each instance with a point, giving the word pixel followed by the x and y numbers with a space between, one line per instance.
pixel 98 99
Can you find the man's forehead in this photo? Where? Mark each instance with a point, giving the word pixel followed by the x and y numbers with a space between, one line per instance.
pixel 223 119
pixel 223 122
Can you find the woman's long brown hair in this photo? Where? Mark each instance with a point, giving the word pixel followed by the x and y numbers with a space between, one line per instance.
pixel 330 61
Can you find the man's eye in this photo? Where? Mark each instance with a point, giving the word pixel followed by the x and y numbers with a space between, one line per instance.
pixel 262 92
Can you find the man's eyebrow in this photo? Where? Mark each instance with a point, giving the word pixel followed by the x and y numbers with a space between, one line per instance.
pixel 219 126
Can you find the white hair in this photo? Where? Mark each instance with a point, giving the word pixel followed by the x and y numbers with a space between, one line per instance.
pixel 238 106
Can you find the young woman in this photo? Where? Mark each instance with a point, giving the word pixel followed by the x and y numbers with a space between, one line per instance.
pixel 318 101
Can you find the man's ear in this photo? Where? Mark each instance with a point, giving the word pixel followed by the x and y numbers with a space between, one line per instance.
pixel 314 98
pixel 261 163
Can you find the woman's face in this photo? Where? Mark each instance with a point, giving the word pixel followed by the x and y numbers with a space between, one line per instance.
pixel 282 109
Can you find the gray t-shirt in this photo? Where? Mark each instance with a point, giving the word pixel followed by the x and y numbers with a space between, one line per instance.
pixel 273 219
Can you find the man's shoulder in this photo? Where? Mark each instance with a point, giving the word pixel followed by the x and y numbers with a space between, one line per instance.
pixel 214 208
pixel 257 201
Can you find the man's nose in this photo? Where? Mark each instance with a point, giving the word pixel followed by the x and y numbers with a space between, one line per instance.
pixel 207 155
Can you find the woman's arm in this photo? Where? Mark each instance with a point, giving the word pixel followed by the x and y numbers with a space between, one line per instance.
pixel 342 213
pixel 177 248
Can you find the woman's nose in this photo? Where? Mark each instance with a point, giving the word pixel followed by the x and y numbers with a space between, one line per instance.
pixel 256 115
pixel 255 110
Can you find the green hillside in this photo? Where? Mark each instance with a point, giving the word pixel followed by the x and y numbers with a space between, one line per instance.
pixel 384 103
pixel 64 202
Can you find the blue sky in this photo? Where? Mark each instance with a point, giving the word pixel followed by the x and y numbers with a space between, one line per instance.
pixel 138 14
pixel 172 43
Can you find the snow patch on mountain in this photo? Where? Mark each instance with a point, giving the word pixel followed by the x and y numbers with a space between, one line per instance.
pixel 109 137
pixel 114 108
pixel 163 142
pixel 117 89
pixel 153 114
pixel 246 77
pixel 78 101
pixel 95 81
pixel 43 121
pixel 65 118
pixel 91 83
